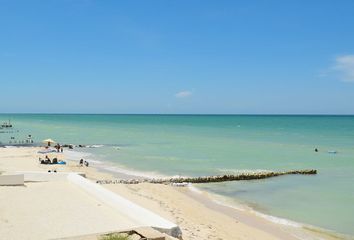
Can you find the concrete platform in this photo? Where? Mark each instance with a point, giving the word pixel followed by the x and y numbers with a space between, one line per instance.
pixel 64 205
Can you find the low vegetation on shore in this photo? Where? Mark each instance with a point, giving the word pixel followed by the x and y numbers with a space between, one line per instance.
pixel 115 236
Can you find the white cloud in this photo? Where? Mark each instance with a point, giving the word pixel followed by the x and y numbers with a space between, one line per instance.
pixel 183 94
pixel 345 67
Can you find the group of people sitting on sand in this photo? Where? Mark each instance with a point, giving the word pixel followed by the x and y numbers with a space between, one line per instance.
pixel 47 160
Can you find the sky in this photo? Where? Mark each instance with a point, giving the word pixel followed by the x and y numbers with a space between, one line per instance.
pixel 172 57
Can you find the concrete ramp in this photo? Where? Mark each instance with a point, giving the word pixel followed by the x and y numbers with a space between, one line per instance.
pixel 140 215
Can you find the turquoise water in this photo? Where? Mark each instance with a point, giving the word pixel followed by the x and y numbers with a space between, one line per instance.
pixel 203 145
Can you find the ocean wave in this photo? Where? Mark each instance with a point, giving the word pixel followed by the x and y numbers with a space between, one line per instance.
pixel 94 161
pixel 9 146
pixel 130 172
pixel 94 146
pixel 219 199
pixel 76 155
pixel 278 220
pixel 194 189
pixel 73 155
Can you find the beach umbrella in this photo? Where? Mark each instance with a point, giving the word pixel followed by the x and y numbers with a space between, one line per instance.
pixel 48 141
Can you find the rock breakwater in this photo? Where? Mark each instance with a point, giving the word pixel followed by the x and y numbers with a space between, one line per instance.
pixel 211 179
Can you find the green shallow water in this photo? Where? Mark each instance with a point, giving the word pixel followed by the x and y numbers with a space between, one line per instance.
pixel 203 145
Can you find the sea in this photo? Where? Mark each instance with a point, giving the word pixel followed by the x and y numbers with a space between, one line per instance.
pixel 200 145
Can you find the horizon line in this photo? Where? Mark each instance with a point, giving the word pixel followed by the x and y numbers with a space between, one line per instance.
pixel 186 114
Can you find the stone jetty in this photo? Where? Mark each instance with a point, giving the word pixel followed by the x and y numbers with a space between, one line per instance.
pixel 211 179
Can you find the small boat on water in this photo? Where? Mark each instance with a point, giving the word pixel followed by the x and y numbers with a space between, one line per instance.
pixel 10 136
pixel 332 152
pixel 6 125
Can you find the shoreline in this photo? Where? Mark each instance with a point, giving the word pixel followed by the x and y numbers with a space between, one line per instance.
pixel 199 216
pixel 218 203
pixel 245 212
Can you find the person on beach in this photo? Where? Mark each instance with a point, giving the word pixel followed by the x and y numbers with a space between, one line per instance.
pixel 86 164
pixel 47 160
pixel 57 147
pixel 81 162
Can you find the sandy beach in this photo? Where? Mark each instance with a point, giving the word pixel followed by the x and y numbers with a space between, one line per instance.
pixel 177 120
pixel 49 210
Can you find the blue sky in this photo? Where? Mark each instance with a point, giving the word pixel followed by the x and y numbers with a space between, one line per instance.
pixel 177 56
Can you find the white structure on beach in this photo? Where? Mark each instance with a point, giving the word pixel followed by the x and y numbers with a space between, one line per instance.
pixel 141 216
pixel 11 179
pixel 134 215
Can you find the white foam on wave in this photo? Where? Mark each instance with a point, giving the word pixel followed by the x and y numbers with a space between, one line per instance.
pixel 234 206
pixel 194 189
pixel 218 199
pixel 94 161
pixel 125 171
pixel 242 171
pixel 278 220
pixel 94 146
pixel 76 155
pixel 73 155
pixel 8 146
